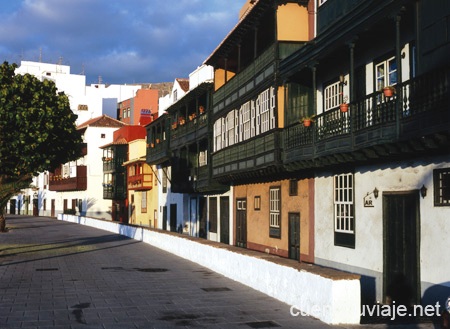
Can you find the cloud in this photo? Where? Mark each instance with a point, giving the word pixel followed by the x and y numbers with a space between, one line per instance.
pixel 123 41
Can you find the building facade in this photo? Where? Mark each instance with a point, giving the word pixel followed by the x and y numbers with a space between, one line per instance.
pixel 377 77
pixel 270 207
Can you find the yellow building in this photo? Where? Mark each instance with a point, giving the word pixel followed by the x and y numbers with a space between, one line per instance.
pixel 141 186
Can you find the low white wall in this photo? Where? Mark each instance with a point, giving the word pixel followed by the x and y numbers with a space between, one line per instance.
pixel 331 301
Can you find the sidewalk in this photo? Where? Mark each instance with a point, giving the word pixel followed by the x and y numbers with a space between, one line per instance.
pixel 60 275
pixel 56 274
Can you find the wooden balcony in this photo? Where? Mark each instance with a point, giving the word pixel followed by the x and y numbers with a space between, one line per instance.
pixel 78 183
pixel 261 69
pixel 192 130
pixel 114 193
pixel 415 121
pixel 158 153
pixel 140 182
pixel 338 13
pixel 257 157
pixel 113 164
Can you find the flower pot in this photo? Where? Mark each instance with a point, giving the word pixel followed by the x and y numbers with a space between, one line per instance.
pixel 388 91
pixel 343 107
pixel 307 122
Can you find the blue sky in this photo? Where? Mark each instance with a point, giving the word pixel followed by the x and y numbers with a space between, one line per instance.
pixel 123 41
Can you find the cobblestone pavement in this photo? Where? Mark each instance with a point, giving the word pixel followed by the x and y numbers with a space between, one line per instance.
pixel 56 274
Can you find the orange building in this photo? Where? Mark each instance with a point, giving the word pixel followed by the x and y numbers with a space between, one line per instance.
pixel 140 109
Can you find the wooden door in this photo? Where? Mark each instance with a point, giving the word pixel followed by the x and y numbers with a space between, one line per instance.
pixel 294 236
pixel 241 223
pixel 401 277
pixel 225 220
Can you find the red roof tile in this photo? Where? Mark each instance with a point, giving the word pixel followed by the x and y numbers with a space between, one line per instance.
pixel 102 121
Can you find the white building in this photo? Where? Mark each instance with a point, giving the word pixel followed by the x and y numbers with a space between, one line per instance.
pixel 85 101
pixel 88 103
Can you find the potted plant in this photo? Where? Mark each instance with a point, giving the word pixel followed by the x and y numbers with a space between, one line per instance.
pixel 389 91
pixel 344 105
pixel 308 120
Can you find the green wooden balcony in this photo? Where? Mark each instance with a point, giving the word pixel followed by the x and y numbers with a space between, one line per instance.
pixel 253 158
pixel 416 120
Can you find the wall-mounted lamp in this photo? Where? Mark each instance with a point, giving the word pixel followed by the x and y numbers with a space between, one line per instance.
pixel 423 191
pixel 375 193
pixel 342 80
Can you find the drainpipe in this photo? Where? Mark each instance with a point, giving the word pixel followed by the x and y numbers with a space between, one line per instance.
pixel 352 88
pixel 398 55
pixel 418 67
pixel 314 88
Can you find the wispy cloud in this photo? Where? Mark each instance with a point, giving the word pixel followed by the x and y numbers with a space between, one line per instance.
pixel 122 41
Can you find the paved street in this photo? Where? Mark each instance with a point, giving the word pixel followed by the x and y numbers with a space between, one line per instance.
pixel 59 275
pixel 56 274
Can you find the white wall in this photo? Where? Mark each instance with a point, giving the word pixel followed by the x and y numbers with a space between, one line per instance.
pixel 398 176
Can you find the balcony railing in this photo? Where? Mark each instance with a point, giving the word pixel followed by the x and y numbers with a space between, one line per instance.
pixel 159 152
pixel 140 182
pixel 114 193
pixel 420 107
pixel 258 153
pixel 78 183
pixel 247 79
pixel 190 130
pixel 113 164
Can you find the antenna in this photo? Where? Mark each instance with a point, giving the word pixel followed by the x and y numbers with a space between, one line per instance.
pixel 40 55
pixel 100 81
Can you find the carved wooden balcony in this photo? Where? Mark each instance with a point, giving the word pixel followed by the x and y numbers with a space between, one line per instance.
pixel 415 120
pixel 77 183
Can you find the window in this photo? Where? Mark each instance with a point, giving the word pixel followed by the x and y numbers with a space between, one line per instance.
pixel 264 101
pixel 231 127
pixel 386 73
pixel 299 103
pixel 218 135
pixel 441 178
pixel 143 201
pixel 274 212
pixel 246 123
pixel 203 158
pixel 164 180
pixel 331 97
pixel 257 202
pixel 175 95
pixel 102 136
pixel 293 187
pixel 344 220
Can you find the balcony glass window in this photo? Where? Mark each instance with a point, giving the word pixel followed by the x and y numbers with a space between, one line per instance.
pixel 218 135
pixel 246 125
pixel 264 101
pixel 386 73
pixel 331 96
pixel 231 130
pixel 299 101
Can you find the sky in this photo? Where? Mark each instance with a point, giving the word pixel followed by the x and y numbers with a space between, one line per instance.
pixel 121 41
